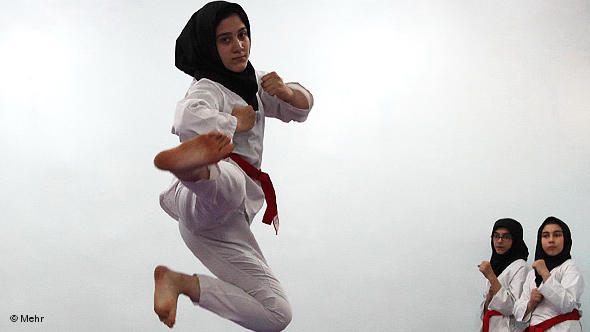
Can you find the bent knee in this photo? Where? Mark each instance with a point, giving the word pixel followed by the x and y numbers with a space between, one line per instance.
pixel 282 315
pixel 285 316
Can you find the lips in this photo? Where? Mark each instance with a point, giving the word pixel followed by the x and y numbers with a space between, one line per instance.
pixel 241 58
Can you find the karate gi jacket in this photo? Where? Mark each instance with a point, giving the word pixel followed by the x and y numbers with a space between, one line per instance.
pixel 561 294
pixel 207 107
pixel 512 280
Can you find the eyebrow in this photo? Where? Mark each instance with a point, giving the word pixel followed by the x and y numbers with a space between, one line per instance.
pixel 227 34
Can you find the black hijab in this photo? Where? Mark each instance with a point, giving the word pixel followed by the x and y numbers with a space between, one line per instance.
pixel 197 56
pixel 553 261
pixel 518 249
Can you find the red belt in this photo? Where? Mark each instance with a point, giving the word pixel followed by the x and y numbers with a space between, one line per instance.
pixel 271 214
pixel 486 319
pixel 574 315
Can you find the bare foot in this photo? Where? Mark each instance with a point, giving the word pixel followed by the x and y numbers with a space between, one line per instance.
pixel 165 295
pixel 188 161
pixel 169 285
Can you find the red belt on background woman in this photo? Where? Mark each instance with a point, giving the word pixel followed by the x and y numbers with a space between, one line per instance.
pixel 486 319
pixel 574 315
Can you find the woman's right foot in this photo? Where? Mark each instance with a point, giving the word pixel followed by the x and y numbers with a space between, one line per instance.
pixel 190 159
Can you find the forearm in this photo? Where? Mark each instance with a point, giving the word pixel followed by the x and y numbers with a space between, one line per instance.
pixel 201 112
pixel 191 124
pixel 529 308
pixel 494 285
pixel 487 303
pixel 494 288
pixel 298 99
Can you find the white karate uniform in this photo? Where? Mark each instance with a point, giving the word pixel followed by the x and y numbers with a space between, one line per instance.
pixel 511 279
pixel 561 294
pixel 214 215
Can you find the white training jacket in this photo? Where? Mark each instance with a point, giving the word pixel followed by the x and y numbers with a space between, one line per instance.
pixel 207 107
pixel 512 280
pixel 561 294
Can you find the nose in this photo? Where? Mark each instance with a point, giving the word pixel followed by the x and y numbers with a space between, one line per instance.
pixel 237 44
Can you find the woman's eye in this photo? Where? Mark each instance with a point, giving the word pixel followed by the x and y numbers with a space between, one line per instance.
pixel 242 35
pixel 223 40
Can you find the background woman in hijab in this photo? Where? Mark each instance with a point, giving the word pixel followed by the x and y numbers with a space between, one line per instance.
pixel 552 291
pixel 505 274
pixel 211 197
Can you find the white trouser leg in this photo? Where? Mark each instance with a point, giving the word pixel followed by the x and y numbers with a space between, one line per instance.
pixel 216 230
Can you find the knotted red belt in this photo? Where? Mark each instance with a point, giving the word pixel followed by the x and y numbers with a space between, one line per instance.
pixel 486 319
pixel 271 214
pixel 574 315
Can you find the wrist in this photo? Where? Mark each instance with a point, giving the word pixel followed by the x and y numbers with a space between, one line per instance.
pixel 289 96
pixel 491 277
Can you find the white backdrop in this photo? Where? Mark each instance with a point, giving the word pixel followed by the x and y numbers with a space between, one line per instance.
pixel 432 119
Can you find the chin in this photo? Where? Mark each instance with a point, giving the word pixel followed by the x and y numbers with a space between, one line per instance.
pixel 238 69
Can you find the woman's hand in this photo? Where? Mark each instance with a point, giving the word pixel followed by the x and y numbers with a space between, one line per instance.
pixel 246 118
pixel 536 297
pixel 273 84
pixel 486 269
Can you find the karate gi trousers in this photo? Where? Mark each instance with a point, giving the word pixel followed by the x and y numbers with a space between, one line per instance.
pixel 214 225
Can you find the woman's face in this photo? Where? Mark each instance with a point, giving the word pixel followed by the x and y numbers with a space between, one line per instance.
pixel 233 44
pixel 502 240
pixel 552 239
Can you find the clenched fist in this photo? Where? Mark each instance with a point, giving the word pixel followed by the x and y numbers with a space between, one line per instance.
pixel 486 269
pixel 246 118
pixel 273 84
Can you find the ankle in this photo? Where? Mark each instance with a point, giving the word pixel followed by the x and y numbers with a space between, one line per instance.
pixel 191 287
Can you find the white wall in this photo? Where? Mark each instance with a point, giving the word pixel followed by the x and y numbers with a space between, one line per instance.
pixel 432 119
